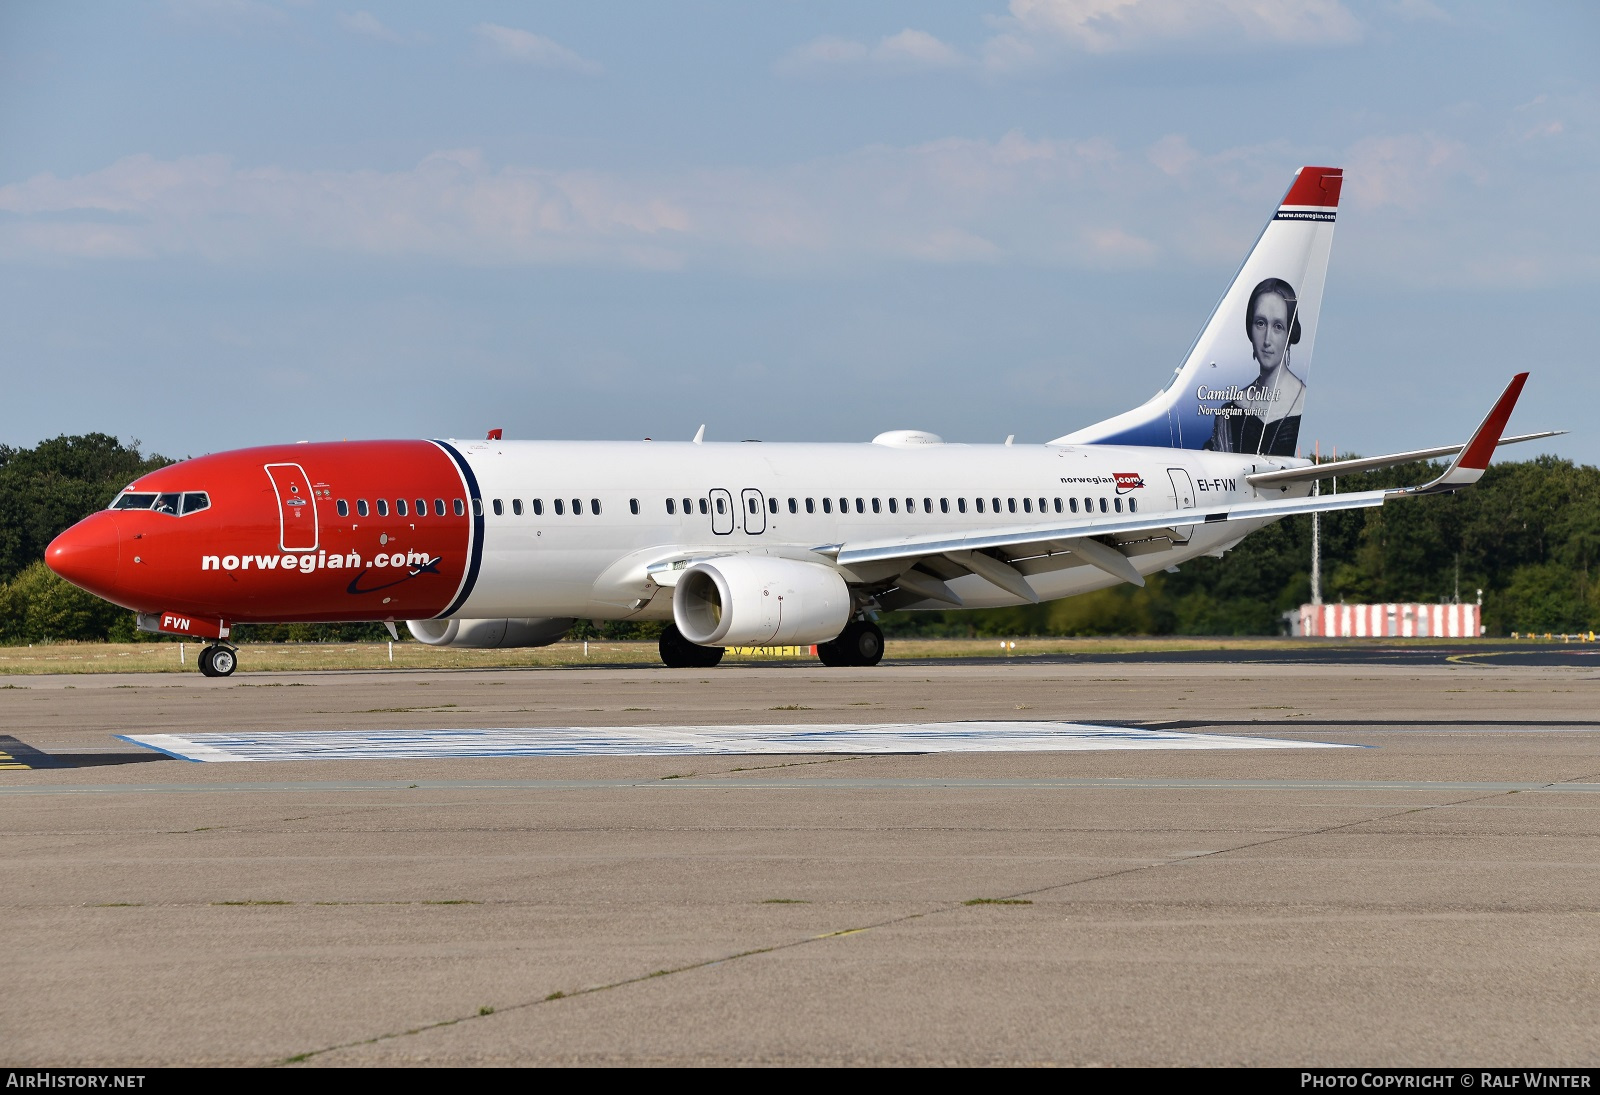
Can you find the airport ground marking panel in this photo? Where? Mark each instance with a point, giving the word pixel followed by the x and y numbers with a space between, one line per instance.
pixel 922 737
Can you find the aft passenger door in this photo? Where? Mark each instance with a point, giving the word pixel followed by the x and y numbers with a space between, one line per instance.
pixel 721 512
pixel 297 507
pixel 1182 498
pixel 755 511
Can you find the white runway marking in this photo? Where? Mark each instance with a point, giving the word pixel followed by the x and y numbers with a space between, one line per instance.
pixel 565 741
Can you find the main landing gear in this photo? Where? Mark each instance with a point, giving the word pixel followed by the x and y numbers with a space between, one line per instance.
pixel 679 653
pixel 218 661
pixel 860 643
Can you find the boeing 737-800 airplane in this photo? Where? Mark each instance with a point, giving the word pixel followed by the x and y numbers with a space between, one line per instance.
pixel 505 543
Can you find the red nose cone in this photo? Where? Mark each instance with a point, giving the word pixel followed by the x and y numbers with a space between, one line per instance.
pixel 87 554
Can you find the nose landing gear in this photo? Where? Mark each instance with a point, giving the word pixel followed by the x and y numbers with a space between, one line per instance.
pixel 218 660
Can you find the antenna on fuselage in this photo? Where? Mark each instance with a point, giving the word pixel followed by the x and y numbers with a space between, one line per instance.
pixel 700 434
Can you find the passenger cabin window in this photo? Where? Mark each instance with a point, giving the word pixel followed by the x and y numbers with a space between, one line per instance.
pixel 1073 503
pixel 794 505
pixel 438 507
pixel 1102 505
pixel 927 505
pixel 460 509
pixel 704 508
pixel 633 506
pixel 1058 505
pixel 672 507
pixel 894 505
pixel 499 508
pixel 516 506
pixel 400 507
pixel 827 505
pixel 1011 505
pixel 1118 503
pixel 1133 505
pixel 978 502
pixel 876 508
pixel 811 506
pixel 383 507
pixel 577 507
pixel 944 505
pixel 721 506
pixel 594 506
pixel 538 507
pixel 361 506
pixel 687 508
pixel 477 507
pixel 422 507
pixel 1027 505
pixel 844 505
pixel 344 508
pixel 561 508
pixel 750 504
pixel 961 505
pixel 1042 505
pixel 911 505
pixel 772 504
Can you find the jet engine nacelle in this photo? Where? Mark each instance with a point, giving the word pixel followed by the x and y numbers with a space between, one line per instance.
pixel 757 600
pixel 538 631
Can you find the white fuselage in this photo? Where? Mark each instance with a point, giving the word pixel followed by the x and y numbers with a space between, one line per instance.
pixel 793 499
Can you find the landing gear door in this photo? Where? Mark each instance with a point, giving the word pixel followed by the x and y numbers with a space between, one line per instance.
pixel 1182 498
pixel 721 512
pixel 755 511
pixel 297 507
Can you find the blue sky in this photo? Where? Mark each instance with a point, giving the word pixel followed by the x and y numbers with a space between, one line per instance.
pixel 230 222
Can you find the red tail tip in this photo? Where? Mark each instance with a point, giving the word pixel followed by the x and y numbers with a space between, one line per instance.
pixel 1317 187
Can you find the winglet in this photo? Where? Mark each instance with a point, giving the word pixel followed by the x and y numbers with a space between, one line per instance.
pixel 1468 466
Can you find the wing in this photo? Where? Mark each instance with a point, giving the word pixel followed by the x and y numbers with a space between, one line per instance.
pixel 921 566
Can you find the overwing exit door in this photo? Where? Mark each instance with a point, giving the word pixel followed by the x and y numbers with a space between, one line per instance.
pixel 721 512
pixel 755 511
pixel 297 507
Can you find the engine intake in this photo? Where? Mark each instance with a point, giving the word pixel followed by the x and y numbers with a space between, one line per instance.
pixel 535 631
pixel 757 600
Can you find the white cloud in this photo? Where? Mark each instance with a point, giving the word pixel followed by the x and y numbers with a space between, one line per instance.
pixel 368 25
pixel 525 47
pixel 1015 200
pixel 908 50
pixel 1039 29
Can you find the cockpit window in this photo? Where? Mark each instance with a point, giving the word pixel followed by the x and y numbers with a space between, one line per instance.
pixel 167 502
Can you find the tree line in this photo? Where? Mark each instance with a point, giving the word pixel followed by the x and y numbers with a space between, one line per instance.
pixel 1528 535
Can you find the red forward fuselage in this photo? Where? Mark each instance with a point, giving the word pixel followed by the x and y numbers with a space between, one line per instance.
pixel 271 541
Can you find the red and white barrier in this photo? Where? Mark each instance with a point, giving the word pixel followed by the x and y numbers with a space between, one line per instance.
pixel 1388 621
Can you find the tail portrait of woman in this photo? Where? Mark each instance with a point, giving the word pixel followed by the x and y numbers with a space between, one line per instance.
pixel 1265 417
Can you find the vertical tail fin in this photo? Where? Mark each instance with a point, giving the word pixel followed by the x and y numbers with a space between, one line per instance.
pixel 1242 386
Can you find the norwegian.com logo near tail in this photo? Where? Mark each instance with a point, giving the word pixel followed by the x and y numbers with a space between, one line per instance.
pixel 1242 388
